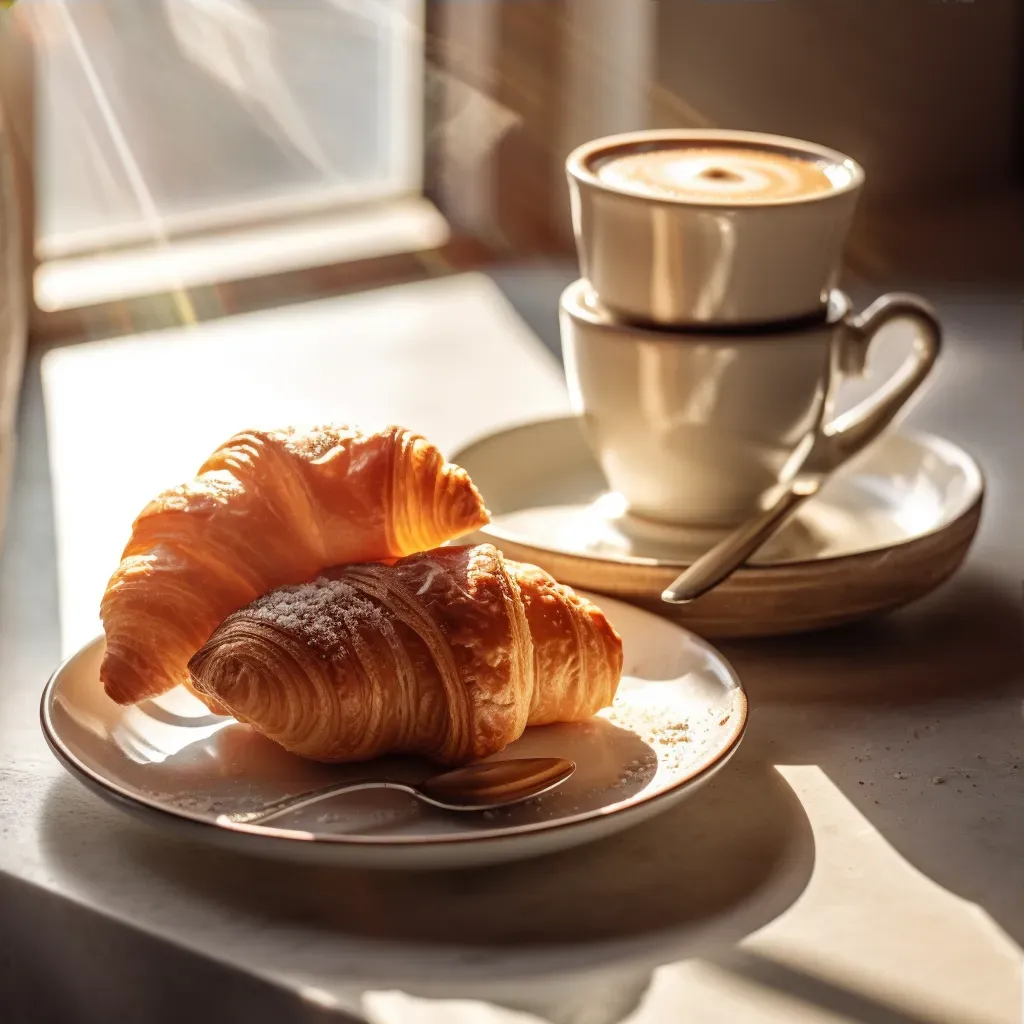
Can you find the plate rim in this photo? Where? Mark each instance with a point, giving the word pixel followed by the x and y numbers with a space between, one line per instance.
pixel 106 788
pixel 950 451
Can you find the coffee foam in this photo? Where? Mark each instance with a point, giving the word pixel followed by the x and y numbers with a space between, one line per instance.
pixel 720 174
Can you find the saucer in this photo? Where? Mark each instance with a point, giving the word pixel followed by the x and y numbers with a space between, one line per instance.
pixel 888 528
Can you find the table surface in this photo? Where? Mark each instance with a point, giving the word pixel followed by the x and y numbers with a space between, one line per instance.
pixel 826 876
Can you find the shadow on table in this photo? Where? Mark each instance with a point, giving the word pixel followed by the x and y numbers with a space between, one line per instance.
pixel 965 641
pixel 567 937
pixel 917 719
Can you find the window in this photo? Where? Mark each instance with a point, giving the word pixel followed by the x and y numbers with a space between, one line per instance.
pixel 165 121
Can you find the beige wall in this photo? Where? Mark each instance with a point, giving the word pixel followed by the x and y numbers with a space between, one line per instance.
pixel 923 92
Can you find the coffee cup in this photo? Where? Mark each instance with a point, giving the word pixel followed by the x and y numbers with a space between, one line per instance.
pixel 701 227
pixel 699 428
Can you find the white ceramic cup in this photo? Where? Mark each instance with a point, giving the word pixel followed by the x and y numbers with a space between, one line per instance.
pixel 699 428
pixel 668 261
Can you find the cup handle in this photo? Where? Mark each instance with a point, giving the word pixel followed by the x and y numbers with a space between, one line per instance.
pixel 853 430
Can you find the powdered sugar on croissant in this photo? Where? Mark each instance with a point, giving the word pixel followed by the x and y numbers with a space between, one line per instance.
pixel 266 509
pixel 449 654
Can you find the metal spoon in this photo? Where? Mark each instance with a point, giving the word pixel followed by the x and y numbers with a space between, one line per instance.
pixel 830 450
pixel 480 787
pixel 718 564
pixel 833 445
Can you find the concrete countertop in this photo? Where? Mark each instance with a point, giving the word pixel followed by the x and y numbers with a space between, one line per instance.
pixel 825 877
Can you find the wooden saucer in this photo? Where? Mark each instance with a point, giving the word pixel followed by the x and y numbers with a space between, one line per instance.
pixel 890 527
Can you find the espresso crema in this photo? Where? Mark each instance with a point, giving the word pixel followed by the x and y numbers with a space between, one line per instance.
pixel 720 174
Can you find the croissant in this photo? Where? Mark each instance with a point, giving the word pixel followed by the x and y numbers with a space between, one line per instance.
pixel 449 654
pixel 269 508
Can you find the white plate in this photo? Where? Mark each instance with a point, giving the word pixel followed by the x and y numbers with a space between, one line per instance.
pixel 889 527
pixel 679 716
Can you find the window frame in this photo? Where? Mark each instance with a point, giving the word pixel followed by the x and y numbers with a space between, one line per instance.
pixel 520 58
pixel 262 212
pixel 17 110
pixel 18 94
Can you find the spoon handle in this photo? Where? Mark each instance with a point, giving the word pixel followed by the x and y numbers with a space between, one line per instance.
pixel 718 564
pixel 300 800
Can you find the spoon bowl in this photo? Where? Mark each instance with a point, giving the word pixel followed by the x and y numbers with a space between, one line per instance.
pixel 497 783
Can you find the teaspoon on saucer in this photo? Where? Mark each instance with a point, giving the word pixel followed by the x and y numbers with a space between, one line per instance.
pixel 830 449
pixel 479 787
pixel 730 553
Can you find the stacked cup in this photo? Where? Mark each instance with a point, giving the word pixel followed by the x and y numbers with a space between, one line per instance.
pixel 706 340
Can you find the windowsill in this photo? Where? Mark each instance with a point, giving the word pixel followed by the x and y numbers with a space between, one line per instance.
pixel 407 225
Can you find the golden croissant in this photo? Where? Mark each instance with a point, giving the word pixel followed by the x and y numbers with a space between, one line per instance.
pixel 269 508
pixel 449 654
